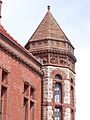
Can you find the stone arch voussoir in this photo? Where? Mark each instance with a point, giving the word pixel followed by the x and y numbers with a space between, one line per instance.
pixel 58 71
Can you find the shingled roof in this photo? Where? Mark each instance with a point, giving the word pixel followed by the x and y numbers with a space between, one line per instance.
pixel 48 29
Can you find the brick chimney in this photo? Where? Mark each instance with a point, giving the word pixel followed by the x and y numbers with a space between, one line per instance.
pixel 0 10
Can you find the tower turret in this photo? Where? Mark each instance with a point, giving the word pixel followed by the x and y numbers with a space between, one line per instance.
pixel 53 48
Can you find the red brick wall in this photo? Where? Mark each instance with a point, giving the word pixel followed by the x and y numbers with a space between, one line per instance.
pixel 18 73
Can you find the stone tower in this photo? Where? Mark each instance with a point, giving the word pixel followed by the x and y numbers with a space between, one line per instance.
pixel 51 46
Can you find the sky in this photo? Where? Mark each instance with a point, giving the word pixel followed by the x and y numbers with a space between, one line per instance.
pixel 21 17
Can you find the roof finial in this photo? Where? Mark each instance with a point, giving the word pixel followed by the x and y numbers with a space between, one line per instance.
pixel 0 10
pixel 48 7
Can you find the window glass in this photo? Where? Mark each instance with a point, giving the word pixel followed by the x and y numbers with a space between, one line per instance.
pixel 57 114
pixel 57 92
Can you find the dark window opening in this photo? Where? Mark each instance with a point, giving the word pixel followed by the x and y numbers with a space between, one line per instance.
pixel 0 109
pixel 31 105
pixel 72 96
pixel 3 102
pixel 32 90
pixel 31 110
pixel 58 77
pixel 72 114
pixel 26 89
pixel 4 76
pixel 25 109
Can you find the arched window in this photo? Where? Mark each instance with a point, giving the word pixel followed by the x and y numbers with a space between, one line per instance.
pixel 57 92
pixel 58 77
pixel 58 97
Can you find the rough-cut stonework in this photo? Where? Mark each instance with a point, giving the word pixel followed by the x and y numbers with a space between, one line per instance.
pixel 48 91
pixel 47 95
pixel 66 92
pixel 67 114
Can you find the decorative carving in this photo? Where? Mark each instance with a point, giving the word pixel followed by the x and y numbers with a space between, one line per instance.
pixel 63 62
pixel 45 42
pixel 54 59
pixel 33 44
pixel 45 60
pixel 51 43
pixel 39 43
pixel 63 56
pixel 60 58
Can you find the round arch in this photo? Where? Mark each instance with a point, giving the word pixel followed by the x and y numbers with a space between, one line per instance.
pixel 58 72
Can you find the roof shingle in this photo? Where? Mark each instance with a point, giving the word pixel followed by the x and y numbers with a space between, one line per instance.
pixel 49 29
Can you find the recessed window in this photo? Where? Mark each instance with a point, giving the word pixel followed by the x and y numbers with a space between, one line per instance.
pixel 4 76
pixel 72 96
pixel 57 92
pixel 72 114
pixel 25 100
pixel 29 101
pixel 58 77
pixel 31 110
pixel 57 113
pixel 3 101
pixel 25 103
pixel 32 90
pixel 26 89
pixel 31 105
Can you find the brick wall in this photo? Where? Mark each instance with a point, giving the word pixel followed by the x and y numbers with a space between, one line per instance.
pixel 18 73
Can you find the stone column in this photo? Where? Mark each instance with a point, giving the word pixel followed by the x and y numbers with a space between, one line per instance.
pixel 47 95
pixel 66 100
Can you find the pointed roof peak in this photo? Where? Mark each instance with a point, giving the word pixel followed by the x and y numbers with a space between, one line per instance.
pixel 48 7
pixel 48 29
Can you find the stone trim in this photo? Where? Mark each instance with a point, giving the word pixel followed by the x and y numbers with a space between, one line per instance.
pixel 53 104
pixel 58 71
pixel 60 51
pixel 59 66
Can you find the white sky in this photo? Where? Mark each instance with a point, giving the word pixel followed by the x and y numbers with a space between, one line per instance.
pixel 21 17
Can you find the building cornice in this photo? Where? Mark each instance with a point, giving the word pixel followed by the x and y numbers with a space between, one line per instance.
pixel 20 47
pixel 60 51
pixel 18 57
pixel 48 39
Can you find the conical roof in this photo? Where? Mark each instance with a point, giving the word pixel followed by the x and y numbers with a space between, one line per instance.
pixel 48 29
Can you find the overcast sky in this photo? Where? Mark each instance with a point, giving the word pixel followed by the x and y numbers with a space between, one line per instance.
pixel 21 17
